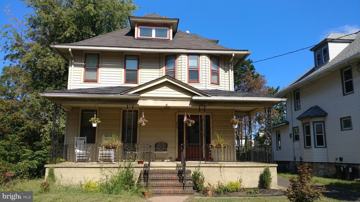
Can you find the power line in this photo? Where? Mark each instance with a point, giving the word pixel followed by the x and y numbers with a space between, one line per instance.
pixel 300 49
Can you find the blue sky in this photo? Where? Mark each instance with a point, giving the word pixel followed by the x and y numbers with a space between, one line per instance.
pixel 266 28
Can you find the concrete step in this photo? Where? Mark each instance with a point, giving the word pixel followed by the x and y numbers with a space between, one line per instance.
pixel 167 183
pixel 166 171
pixel 174 190
pixel 165 177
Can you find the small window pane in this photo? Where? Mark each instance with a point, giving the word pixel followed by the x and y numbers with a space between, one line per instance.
pixel 194 75
pixel 91 74
pixel 214 77
pixel 145 32
pixel 193 61
pixel 131 63
pixel 320 140
pixel 319 134
pixel 318 129
pixel 215 63
pixel 349 87
pixel 170 62
pixel 347 75
pixel 131 76
pixel 161 32
pixel 325 53
pixel 307 135
pixel 346 123
pixel 91 60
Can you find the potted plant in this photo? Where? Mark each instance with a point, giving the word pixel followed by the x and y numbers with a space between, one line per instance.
pixel 188 121
pixel 235 122
pixel 142 120
pixel 219 141
pixel 94 121
pixel 146 193
pixel 111 143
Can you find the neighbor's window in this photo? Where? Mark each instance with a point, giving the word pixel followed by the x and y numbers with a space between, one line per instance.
pixel 131 69
pixel 278 140
pixel 86 129
pixel 319 133
pixel 297 103
pixel 170 65
pixel 307 135
pixel 154 32
pixel 296 135
pixel 129 128
pixel 91 67
pixel 346 123
pixel 215 63
pixel 347 81
pixel 193 68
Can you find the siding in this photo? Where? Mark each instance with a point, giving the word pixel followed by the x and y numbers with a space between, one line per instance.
pixel 151 66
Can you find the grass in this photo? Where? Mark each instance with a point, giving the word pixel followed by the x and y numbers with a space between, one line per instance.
pixel 66 193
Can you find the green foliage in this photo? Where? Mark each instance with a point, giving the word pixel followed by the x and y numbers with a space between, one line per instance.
pixel 90 186
pixel 301 188
pixel 45 186
pixel 122 181
pixel 265 179
pixel 233 186
pixel 29 123
pixel 198 180
pixel 51 175
pixel 220 188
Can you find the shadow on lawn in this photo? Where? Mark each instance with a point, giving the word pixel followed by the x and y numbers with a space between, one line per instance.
pixel 343 191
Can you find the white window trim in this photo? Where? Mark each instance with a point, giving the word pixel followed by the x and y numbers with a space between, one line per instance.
pixel 323 134
pixel 153 35
pixel 342 125
pixel 305 135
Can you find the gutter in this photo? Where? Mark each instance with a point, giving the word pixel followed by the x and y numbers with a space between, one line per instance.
pixel 81 95
pixel 151 50
pixel 245 99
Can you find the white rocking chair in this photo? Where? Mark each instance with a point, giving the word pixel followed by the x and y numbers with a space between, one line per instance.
pixel 81 150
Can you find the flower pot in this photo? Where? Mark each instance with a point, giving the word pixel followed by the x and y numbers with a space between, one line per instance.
pixel 94 125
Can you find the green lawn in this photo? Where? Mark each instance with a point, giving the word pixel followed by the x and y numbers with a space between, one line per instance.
pixel 66 194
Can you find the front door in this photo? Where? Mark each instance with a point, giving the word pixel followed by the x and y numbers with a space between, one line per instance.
pixel 196 138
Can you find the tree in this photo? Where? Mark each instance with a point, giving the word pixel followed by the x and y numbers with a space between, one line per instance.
pixel 27 121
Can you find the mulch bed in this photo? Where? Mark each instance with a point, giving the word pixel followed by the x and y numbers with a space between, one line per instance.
pixel 249 193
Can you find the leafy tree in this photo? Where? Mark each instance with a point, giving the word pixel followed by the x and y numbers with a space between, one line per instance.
pixel 29 122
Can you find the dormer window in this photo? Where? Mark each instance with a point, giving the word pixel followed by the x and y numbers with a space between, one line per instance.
pixel 153 32
pixel 321 56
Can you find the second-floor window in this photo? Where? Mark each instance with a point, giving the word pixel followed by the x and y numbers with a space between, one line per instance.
pixel 297 103
pixel 154 32
pixel 193 68
pixel 215 63
pixel 170 65
pixel 347 81
pixel 91 67
pixel 131 69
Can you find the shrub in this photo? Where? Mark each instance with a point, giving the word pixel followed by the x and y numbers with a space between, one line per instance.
pixel 233 186
pixel 45 186
pixel 90 186
pixel 51 175
pixel 122 181
pixel 198 180
pixel 208 190
pixel 301 188
pixel 265 179
pixel 220 188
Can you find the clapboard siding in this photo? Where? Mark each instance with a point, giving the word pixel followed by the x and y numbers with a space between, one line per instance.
pixel 151 66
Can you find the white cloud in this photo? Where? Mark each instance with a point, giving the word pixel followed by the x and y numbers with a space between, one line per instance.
pixel 345 29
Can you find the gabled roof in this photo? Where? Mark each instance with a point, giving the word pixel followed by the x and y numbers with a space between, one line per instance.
pixel 351 52
pixel 312 112
pixel 124 38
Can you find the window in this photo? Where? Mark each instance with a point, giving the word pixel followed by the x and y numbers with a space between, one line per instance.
pixel 131 69
pixel 129 127
pixel 347 81
pixel 215 63
pixel 278 140
pixel 307 135
pixel 86 129
pixel 322 56
pixel 346 123
pixel 91 67
pixel 170 65
pixel 319 133
pixel 154 32
pixel 297 104
pixel 296 133
pixel 193 67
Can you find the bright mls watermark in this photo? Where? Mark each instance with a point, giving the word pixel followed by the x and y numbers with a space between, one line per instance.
pixel 16 196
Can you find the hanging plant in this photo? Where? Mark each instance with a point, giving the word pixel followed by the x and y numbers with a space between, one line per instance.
pixel 94 120
pixel 235 122
pixel 188 121
pixel 142 120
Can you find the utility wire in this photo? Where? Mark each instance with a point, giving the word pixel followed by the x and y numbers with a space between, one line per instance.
pixel 301 49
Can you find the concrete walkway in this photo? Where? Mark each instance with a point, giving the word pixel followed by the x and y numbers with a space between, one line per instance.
pixel 168 198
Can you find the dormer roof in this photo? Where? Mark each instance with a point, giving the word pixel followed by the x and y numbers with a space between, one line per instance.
pixel 154 19
pixel 335 38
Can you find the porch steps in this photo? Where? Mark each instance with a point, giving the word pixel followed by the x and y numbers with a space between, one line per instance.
pixel 166 181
